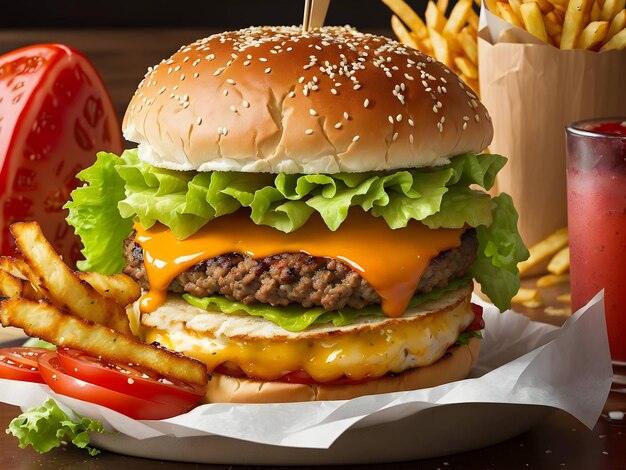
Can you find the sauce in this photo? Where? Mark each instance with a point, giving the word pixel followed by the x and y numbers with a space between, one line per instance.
pixel 391 261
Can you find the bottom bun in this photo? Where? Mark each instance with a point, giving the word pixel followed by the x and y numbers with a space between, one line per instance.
pixel 454 365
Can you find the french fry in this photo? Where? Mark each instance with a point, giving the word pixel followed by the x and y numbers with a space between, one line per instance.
pixel 526 295
pixel 507 14
pixel 441 51
pixel 553 28
pixel 63 287
pixel 611 8
pixel 13 286
pixel 558 312
pixel 617 42
pixel 472 20
pixel 573 23
pixel 434 17
pixel 458 17
pixel 466 67
pixel 543 250
pixel 469 45
pixel 442 5
pixel 44 320
pixel 531 14
pixel 596 12
pixel 516 5
pixel 618 24
pixel 402 33
pixel 544 5
pixel 565 298
pixel 20 269
pixel 410 18
pixel 559 262
pixel 119 287
pixel 592 35
pixel 550 280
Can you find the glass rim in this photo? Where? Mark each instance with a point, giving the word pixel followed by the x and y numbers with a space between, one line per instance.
pixel 574 127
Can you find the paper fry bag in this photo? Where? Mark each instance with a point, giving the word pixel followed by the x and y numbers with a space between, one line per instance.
pixel 532 90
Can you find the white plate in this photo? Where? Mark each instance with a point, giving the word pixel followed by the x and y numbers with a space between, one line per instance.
pixel 438 431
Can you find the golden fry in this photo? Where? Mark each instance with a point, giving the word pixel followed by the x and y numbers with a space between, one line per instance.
pixel 466 67
pixel 559 263
pixel 434 18
pixel 410 18
pixel 531 14
pixel 507 14
pixel 121 288
pixel 63 287
pixel 558 312
pixel 402 33
pixel 544 5
pixel 458 17
pixel 441 50
pixel 611 8
pixel 442 5
pixel 552 280
pixel 469 45
pixel 573 23
pixel 618 24
pixel 565 298
pixel 12 286
pixel 592 35
pixel 44 320
pixel 618 42
pixel 545 249
pixel 526 295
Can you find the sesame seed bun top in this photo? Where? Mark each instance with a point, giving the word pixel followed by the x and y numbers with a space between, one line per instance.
pixel 272 99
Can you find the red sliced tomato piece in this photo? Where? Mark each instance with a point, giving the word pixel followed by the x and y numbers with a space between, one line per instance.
pixel 129 379
pixel 478 323
pixel 55 114
pixel 132 406
pixel 21 364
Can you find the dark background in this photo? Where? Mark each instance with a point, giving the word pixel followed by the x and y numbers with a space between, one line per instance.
pixel 186 13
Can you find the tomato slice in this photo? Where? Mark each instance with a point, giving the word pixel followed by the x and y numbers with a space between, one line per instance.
pixel 478 323
pixel 129 405
pixel 129 379
pixel 21 364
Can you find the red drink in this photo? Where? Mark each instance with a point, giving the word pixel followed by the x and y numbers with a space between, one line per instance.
pixel 596 187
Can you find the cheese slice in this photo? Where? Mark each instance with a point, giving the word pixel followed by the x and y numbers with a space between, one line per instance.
pixel 391 261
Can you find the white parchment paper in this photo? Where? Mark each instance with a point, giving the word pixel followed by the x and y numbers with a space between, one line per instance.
pixel 521 362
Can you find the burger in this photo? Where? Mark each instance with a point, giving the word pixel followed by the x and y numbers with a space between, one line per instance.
pixel 306 213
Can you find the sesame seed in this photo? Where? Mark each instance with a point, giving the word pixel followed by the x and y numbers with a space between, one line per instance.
pixel 333 91
pixel 301 79
pixel 231 81
pixel 356 138
pixel 464 125
pixel 366 103
pixel 262 59
pixel 388 73
pixel 219 71
pixel 390 118
pixel 268 70
pixel 224 131
pixel 465 118
pixel 245 104
pixel 411 138
pixel 246 63
pixel 196 75
pixel 291 94
pixel 395 136
pixel 308 131
pixel 312 112
pixel 182 77
pixel 346 116
pixel 199 121
pixel 130 381
pixel 477 118
pixel 338 125
pixel 399 117
pixel 440 127
pixel 411 122
pixel 185 104
pixel 435 109
pixel 233 109
pixel 356 87
pixel 225 92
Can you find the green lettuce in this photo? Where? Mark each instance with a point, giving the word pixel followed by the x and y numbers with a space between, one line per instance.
pixel 296 318
pixel 121 189
pixel 46 426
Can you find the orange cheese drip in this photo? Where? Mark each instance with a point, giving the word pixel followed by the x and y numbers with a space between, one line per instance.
pixel 391 261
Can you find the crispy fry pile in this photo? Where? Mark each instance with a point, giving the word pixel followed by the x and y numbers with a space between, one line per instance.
pixel 85 311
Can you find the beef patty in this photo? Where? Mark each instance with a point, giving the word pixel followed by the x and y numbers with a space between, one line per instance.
pixel 299 278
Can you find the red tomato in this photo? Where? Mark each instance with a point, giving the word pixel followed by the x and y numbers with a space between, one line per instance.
pixel 478 323
pixel 55 114
pixel 129 379
pixel 132 406
pixel 21 364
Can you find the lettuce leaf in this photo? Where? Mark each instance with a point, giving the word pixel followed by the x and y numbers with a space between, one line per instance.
pixel 96 220
pixel 500 249
pixel 296 318
pixel 46 426
pixel 120 189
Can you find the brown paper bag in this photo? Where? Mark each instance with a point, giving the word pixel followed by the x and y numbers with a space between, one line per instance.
pixel 531 91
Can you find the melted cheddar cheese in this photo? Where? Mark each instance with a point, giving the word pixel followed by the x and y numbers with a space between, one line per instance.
pixel 366 354
pixel 391 261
